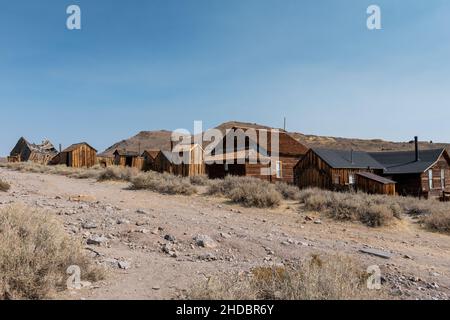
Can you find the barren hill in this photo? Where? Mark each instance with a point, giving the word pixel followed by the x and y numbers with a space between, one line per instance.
pixel 161 140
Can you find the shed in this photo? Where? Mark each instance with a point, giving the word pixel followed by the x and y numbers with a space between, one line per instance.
pixel 130 159
pixel 184 160
pixel 78 155
pixel 374 184
pixel 149 157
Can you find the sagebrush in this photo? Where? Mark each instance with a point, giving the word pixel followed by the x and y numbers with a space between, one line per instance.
pixel 326 277
pixel 35 253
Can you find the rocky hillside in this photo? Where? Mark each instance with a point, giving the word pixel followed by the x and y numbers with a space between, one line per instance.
pixel 161 140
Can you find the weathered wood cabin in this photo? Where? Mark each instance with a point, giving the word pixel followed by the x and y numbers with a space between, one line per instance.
pixel 149 157
pixel 334 169
pixel 78 155
pixel 419 173
pixel 424 173
pixel 183 160
pixel 39 153
pixel 130 159
pixel 252 154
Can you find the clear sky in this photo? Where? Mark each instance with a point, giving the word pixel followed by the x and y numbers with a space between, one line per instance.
pixel 161 64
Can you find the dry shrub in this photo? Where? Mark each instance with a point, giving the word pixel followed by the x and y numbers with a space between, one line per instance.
pixel 35 253
pixel 163 183
pixel 201 180
pixel 250 192
pixel 118 173
pixel 288 191
pixel 328 277
pixel 4 186
pixel 372 210
pixel 62 170
pixel 438 221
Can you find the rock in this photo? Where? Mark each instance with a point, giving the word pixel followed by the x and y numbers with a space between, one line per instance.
pixel 207 257
pixel 378 253
pixel 407 256
pixel 204 241
pixel 142 211
pixel 123 265
pixel 225 235
pixel 156 288
pixel 308 218
pixel 123 221
pixel 169 237
pixel 89 225
pixel 97 240
pixel 318 221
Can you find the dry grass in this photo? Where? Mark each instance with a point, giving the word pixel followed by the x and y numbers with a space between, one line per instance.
pixel 288 191
pixel 35 253
pixel 199 180
pixel 372 210
pixel 4 186
pixel 249 192
pixel 377 210
pixel 330 277
pixel 62 170
pixel 118 173
pixel 162 183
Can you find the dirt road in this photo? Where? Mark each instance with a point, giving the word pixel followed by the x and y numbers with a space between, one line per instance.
pixel 146 239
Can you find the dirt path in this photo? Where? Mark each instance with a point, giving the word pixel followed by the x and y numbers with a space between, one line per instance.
pixel 134 224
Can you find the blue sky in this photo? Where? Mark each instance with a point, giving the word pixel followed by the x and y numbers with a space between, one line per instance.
pixel 161 64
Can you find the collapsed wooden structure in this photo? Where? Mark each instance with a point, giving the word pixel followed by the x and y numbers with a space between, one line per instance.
pixel 25 151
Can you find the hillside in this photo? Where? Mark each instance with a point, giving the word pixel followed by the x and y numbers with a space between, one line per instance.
pixel 161 140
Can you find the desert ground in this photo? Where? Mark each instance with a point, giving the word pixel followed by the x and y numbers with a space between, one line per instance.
pixel 145 239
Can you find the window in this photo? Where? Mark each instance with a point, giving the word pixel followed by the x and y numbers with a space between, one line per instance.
pixel 430 179
pixel 336 179
pixel 351 178
pixel 279 169
pixel 443 179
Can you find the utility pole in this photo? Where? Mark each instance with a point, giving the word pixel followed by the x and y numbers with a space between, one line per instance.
pixel 284 126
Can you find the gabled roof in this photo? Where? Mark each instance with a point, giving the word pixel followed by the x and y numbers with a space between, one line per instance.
pixel 347 159
pixel 76 145
pixel 404 162
pixel 151 153
pixel 375 177
pixel 127 153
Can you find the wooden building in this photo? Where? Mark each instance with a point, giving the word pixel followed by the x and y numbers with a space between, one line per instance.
pixel 183 160
pixel 105 161
pixel 252 154
pixel 78 155
pixel 149 157
pixel 130 159
pixel 374 184
pixel 419 173
pixel 25 151
pixel 333 169
pixel 424 173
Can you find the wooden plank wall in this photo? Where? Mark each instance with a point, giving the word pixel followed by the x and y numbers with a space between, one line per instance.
pixel 370 186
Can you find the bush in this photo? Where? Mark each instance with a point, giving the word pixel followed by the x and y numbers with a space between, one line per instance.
pixel 35 253
pixel 118 173
pixel 199 180
pixel 163 183
pixel 4 186
pixel 329 277
pixel 438 221
pixel 250 192
pixel 372 210
pixel 288 191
